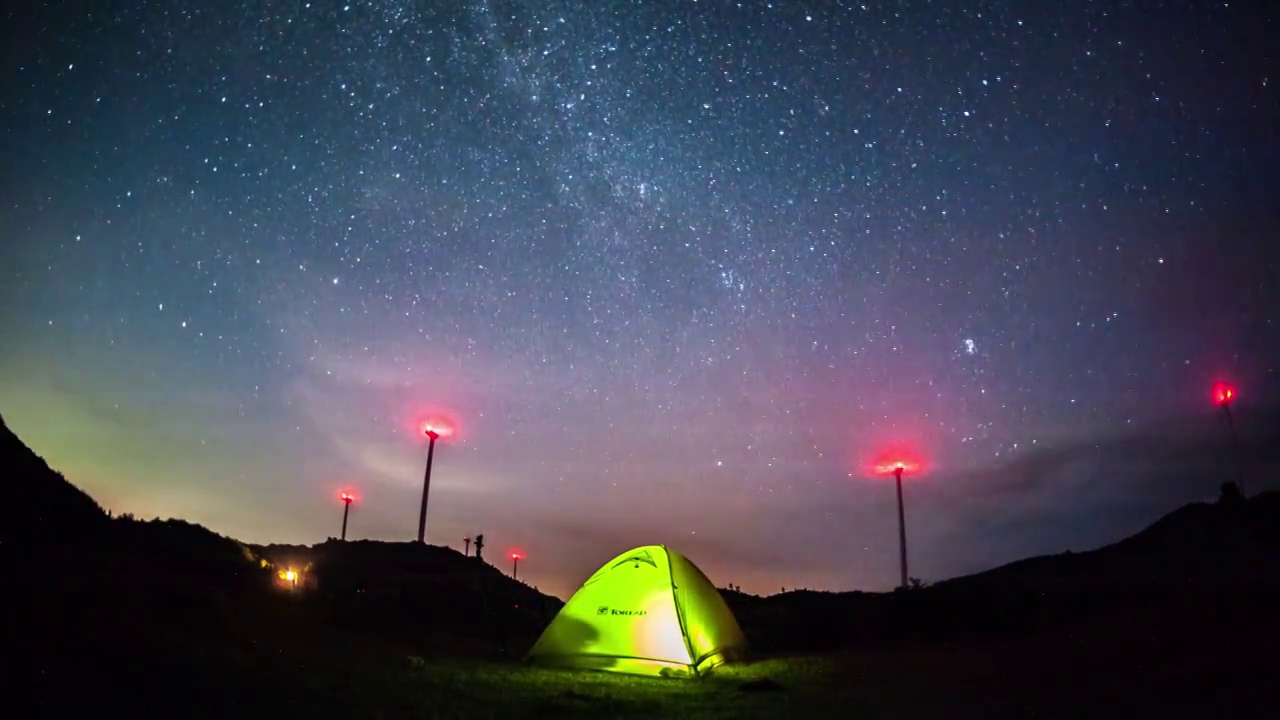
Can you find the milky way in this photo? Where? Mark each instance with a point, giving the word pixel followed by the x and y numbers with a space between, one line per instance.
pixel 676 269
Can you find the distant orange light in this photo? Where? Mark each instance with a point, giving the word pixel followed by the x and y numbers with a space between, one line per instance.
pixel 347 497
pixel 517 555
pixel 1223 393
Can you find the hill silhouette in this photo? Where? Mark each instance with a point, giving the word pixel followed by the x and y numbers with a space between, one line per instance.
pixel 406 589
pixel 1207 553
pixel 53 509
pixel 175 619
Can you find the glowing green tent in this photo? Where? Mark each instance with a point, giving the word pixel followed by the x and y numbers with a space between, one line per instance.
pixel 648 611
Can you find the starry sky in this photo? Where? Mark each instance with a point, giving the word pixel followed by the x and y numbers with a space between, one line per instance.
pixel 677 271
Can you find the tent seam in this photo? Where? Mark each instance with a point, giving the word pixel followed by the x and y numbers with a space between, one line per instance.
pixel 684 631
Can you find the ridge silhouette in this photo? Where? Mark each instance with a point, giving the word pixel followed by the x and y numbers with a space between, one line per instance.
pixel 145 612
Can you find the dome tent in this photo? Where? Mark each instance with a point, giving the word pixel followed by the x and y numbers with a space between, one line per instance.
pixel 648 611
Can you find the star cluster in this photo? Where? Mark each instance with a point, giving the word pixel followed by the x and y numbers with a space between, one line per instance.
pixel 676 268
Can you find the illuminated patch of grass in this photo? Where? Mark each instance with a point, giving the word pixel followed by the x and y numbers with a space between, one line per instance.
pixel 449 689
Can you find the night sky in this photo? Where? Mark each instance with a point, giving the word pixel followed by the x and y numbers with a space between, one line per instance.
pixel 678 271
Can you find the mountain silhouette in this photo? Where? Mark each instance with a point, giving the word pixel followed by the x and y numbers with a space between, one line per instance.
pixel 1232 543
pixel 50 509
pixel 398 589
pixel 1199 554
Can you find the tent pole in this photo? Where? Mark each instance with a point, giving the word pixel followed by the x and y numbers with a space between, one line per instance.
pixel 675 598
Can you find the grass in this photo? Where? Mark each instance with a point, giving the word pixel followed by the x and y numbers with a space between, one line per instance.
pixel 415 688
pixel 172 650
pixel 489 690
pixel 1140 668
pixel 278 662
pixel 1068 675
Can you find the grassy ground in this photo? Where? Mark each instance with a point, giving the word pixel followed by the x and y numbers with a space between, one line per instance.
pixel 774 688
pixel 1065 676
pixel 175 650
pixel 1159 664
pixel 949 684
pixel 487 690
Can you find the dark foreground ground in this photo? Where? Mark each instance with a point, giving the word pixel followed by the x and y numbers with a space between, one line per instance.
pixel 80 651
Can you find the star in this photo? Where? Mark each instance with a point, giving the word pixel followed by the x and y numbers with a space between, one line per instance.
pixel 614 240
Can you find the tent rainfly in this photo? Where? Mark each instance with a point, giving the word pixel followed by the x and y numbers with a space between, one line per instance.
pixel 648 612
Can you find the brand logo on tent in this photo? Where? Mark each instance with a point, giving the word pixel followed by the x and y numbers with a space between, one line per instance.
pixel 606 610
